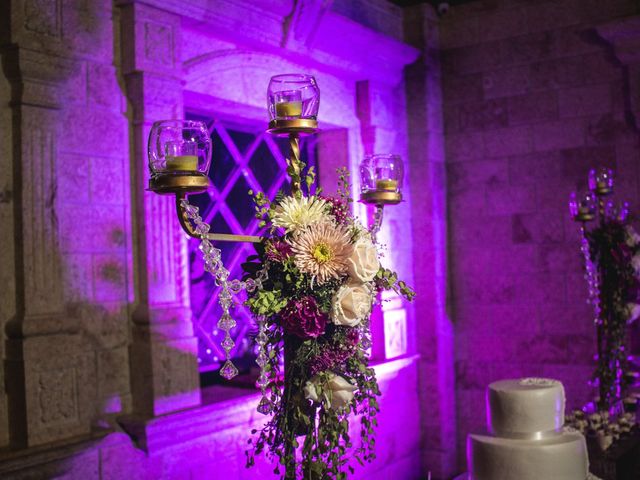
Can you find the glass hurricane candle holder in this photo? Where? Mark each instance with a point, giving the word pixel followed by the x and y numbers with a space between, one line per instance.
pixel 381 179
pixel 583 209
pixel 601 180
pixel 179 156
pixel 293 99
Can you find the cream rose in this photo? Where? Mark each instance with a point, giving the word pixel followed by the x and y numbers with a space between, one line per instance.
pixel 633 312
pixel 339 392
pixel 633 238
pixel 336 392
pixel 363 262
pixel 351 304
pixel 310 392
pixel 635 263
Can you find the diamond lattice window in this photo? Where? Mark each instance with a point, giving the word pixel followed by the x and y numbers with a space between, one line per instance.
pixel 243 159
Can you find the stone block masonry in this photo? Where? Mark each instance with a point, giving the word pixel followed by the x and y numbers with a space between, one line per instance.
pixel 533 100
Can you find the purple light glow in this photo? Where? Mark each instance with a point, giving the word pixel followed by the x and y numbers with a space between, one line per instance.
pixel 134 316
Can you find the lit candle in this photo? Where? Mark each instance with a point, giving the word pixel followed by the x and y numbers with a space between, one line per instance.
pixel 387 185
pixel 288 109
pixel 184 163
pixel 288 103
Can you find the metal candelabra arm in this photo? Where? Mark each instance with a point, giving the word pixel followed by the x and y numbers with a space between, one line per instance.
pixel 294 166
pixel 187 226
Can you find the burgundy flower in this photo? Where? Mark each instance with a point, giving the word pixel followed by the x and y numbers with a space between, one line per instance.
pixel 338 209
pixel 353 336
pixel 303 318
pixel 333 356
pixel 330 358
pixel 277 250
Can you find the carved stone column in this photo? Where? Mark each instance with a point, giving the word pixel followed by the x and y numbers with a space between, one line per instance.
pixel 164 368
pixel 427 167
pixel 44 367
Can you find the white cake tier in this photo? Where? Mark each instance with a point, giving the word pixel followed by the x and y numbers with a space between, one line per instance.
pixel 520 408
pixel 560 457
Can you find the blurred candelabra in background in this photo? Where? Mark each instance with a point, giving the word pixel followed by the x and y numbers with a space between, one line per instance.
pixel 611 250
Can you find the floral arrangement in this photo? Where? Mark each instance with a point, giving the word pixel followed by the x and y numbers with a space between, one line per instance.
pixel 323 275
pixel 603 427
pixel 614 252
pixel 632 255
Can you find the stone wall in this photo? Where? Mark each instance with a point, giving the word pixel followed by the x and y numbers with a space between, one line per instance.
pixel 533 98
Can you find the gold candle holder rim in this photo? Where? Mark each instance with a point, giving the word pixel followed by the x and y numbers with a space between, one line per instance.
pixel 584 217
pixel 381 197
pixel 279 126
pixel 179 182
pixel 603 191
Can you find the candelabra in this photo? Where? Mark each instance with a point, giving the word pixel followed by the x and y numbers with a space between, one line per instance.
pixel 602 272
pixel 179 160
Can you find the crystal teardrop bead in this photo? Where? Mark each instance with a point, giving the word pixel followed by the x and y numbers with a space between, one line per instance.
pixel 227 343
pixel 250 285
pixel 191 210
pixel 262 381
pixel 206 247
pixel 235 285
pixel 261 360
pixel 226 322
pixel 202 228
pixel 228 370
pixel 264 407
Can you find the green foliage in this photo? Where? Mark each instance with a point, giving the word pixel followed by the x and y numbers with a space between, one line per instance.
pixel 267 302
pixel 344 186
pixel 325 431
pixel 310 178
pixel 388 280
pixel 618 286
pixel 261 206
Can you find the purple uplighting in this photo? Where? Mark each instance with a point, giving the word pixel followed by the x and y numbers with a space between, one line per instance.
pixel 498 110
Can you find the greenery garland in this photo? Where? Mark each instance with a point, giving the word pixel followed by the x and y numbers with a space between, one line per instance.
pixel 614 248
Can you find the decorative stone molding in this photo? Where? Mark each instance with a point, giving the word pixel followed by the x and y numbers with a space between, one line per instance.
pixel 624 36
pixel 45 371
pixel 313 35
pixel 301 25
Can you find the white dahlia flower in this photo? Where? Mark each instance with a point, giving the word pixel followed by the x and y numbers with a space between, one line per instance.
pixel 296 213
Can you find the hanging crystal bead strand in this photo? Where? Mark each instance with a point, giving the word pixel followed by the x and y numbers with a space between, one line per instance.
pixel 226 323
pixel 264 406
pixel 213 265
pixel 591 276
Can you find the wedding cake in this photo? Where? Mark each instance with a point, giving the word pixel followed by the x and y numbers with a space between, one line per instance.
pixel 526 440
